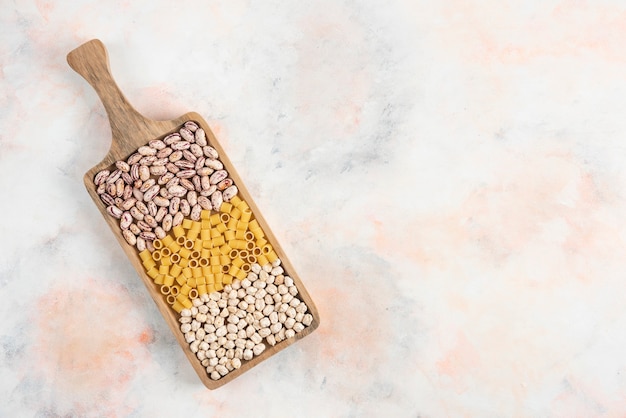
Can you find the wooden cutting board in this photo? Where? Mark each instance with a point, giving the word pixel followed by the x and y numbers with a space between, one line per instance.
pixel 130 130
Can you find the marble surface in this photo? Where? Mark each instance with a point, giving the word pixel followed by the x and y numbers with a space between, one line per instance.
pixel 447 177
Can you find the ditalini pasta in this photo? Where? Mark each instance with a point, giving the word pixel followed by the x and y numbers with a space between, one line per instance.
pixel 198 257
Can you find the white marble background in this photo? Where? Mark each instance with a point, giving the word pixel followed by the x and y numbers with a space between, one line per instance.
pixel 447 177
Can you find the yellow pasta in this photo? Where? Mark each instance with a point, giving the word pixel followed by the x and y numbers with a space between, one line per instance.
pixel 167 240
pixel 218 241
pixel 243 206
pixel 202 290
pixel 262 260
pixel 184 253
pixel 271 256
pixel 184 289
pixel 174 247
pixel 228 235
pixel 226 207
pixel 175 270
pixel 177 306
pixel 235 213
pixel 215 219
pixel 246 215
pixel 168 280
pixel 232 223
pixel 145 255
pixel 237 243
pixel 200 257
pixel 235 200
pixel 178 230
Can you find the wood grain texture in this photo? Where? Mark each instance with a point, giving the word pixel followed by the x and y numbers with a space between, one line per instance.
pixel 130 130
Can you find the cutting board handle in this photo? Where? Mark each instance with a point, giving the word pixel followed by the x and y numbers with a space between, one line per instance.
pixel 91 61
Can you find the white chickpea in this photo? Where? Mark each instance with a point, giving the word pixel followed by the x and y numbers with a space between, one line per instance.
pixel 289 323
pixel 258 349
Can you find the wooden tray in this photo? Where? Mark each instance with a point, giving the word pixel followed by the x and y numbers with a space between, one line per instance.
pixel 131 130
